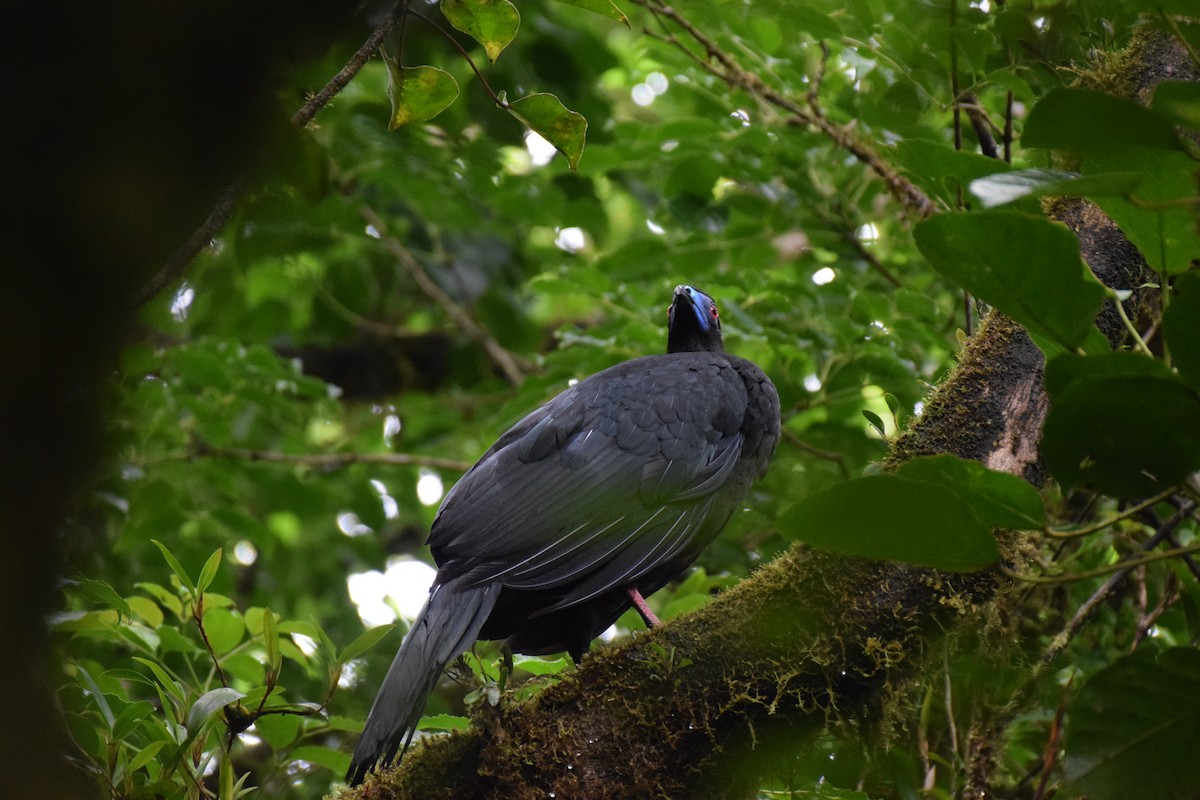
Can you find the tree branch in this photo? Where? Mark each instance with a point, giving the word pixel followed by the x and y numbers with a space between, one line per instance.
pixel 722 65
pixel 329 460
pixel 505 361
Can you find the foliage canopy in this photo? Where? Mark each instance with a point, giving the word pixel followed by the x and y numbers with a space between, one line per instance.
pixel 413 270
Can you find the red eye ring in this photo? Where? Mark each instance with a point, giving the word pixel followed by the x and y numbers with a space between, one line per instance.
pixel 713 310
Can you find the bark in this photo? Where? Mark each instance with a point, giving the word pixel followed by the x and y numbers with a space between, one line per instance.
pixel 700 707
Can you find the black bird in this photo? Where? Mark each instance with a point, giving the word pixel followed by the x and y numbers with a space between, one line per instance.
pixel 597 498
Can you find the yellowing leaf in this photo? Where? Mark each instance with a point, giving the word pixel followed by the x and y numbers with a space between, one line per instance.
pixel 605 8
pixel 546 115
pixel 418 93
pixel 492 23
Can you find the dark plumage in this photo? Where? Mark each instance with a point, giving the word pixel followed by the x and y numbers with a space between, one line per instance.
pixel 609 490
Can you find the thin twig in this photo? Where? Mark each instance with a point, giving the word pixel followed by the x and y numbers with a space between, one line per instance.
pixel 329 460
pixel 382 330
pixel 183 256
pixel 462 51
pixel 725 67
pixel 872 260
pixel 198 616
pixel 503 359
pixel 948 701
pixel 826 455
pixel 316 102
pixel 1148 619
pixel 1008 127
pixel 1099 526
pixel 980 124
pixel 1128 323
pixel 1089 607
pixel 1121 568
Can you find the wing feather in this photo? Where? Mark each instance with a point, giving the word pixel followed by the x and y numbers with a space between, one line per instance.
pixel 605 482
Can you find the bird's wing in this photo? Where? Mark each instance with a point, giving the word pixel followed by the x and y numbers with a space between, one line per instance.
pixel 608 480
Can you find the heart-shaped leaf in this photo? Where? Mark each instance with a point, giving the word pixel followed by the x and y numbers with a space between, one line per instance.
pixel 892 518
pixel 1098 432
pixel 546 115
pixel 492 23
pixel 605 8
pixel 1134 726
pixel 1025 265
pixel 418 93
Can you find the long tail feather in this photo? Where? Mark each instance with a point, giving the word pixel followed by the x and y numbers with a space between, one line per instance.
pixel 447 625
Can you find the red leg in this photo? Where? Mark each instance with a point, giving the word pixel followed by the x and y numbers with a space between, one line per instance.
pixel 640 604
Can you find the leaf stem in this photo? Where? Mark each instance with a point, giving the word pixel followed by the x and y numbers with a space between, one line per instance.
pixel 1129 326
pixel 449 37
pixel 1099 526
pixel 1111 569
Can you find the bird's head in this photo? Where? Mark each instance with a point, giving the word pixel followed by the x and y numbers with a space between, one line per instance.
pixel 693 323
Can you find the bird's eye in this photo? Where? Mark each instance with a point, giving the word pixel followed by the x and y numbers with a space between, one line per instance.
pixel 713 310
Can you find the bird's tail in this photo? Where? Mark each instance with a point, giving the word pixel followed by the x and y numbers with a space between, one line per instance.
pixel 447 625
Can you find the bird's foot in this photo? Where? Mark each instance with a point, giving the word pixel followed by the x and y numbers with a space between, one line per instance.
pixel 639 603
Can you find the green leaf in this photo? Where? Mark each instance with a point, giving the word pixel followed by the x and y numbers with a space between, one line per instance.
pixel 443 722
pixel 165 597
pixel 209 571
pixel 164 679
pixel 1122 423
pixel 1134 726
pixel 536 665
pixel 210 703
pixel 492 23
pixel 546 115
pixel 1080 121
pixel 335 761
pixel 271 640
pixel 224 628
pixel 875 422
pixel 943 171
pixel 803 17
pixel 891 518
pixel 278 730
pixel 147 610
pixel 1084 120
pixel 364 642
pixel 999 499
pixel 176 567
pixel 418 93
pixel 1154 220
pixel 1026 266
pixel 97 696
pixel 1179 102
pixel 129 719
pixel 1005 187
pixel 100 592
pixel 605 8
pixel 1181 327
pixel 146 755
